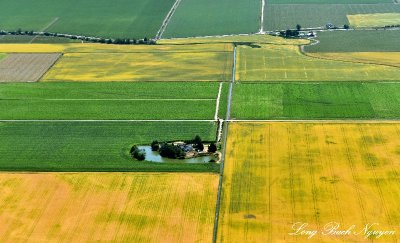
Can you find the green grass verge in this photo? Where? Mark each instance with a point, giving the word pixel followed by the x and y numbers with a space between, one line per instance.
pixel 120 18
pixel 357 41
pixel 107 101
pixel 92 146
pixel 210 17
pixel 284 16
pixel 338 100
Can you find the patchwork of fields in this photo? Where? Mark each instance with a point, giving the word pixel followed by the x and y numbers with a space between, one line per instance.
pixel 307 130
pixel 281 173
pixel 120 207
pixel 284 16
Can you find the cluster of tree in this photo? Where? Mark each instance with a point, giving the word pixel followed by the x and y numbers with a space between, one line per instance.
pixel 171 151
pixel 291 33
pixel 118 41
pixel 137 153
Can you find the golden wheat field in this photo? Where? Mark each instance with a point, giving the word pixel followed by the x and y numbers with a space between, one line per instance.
pixel 374 20
pixel 279 174
pixel 287 63
pixel 381 58
pixel 107 207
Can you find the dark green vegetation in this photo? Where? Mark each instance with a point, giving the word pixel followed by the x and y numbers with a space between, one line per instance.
pixel 92 146
pixel 345 100
pixel 108 100
pixel 284 16
pixel 357 41
pixel 33 39
pixel 210 17
pixel 118 19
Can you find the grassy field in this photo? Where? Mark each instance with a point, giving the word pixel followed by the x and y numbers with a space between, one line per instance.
pixel 374 20
pixel 210 17
pixel 382 58
pixel 107 207
pixel 108 101
pixel 287 63
pixel 121 18
pixel 283 16
pixel 93 146
pixel 345 100
pixel 256 38
pixel 357 41
pixel 329 1
pixel 282 173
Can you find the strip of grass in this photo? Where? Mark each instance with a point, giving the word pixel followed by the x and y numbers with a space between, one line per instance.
pixel 39 39
pixel 329 1
pixel 317 101
pixel 93 146
pixel 108 101
pixel 357 41
pixel 210 17
pixel 120 18
pixel 283 16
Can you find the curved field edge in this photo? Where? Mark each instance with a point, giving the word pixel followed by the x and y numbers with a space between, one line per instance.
pixel 123 207
pixel 391 59
pixel 94 146
pixel 281 173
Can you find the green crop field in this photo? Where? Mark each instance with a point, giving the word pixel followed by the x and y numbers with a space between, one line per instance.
pixel 92 146
pixel 287 63
pixel 210 17
pixel 357 41
pixel 120 18
pixel 283 16
pixel 108 101
pixel 338 100
pixel 329 1
pixel 33 39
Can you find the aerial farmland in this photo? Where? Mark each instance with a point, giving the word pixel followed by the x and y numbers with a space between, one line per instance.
pixel 200 121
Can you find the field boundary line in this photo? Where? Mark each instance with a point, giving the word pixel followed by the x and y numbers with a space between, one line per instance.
pixel 45 28
pixel 167 20
pixel 138 99
pixel 50 67
pixel 217 103
pixel 89 120
pixel 262 18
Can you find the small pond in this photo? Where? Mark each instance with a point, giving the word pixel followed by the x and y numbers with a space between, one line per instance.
pixel 155 157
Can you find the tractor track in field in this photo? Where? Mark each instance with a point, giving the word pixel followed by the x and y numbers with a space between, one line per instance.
pixel 167 19
pixel 224 142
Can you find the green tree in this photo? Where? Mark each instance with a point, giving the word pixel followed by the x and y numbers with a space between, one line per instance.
pixel 212 148
pixel 298 27
pixel 155 145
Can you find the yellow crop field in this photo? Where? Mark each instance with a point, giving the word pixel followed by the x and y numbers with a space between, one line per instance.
pixel 257 38
pixel 383 58
pixel 374 20
pixel 282 177
pixel 107 207
pixel 149 66
pixel 287 63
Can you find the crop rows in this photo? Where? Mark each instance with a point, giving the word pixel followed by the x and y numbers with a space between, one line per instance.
pixel 26 67
pixel 122 207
